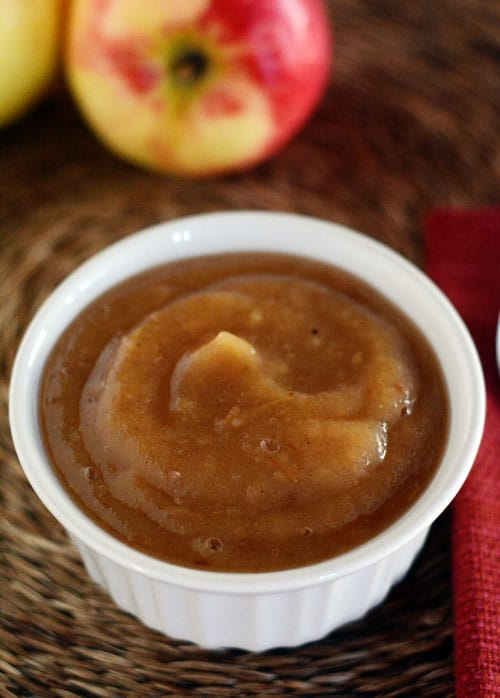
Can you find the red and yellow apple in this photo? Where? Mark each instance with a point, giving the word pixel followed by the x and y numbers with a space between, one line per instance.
pixel 29 50
pixel 197 87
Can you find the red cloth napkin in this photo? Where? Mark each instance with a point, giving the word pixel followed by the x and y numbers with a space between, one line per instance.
pixel 463 258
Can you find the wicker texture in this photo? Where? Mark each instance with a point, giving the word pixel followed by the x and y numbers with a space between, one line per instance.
pixel 409 122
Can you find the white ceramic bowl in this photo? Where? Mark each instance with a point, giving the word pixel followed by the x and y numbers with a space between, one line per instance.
pixel 253 611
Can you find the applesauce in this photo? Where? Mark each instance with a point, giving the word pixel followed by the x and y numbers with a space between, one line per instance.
pixel 248 412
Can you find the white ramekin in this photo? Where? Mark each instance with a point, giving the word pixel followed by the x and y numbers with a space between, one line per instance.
pixel 253 611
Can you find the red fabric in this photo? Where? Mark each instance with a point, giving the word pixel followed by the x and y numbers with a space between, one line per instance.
pixel 463 258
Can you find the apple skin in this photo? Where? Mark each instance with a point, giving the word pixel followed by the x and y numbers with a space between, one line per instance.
pixel 29 53
pixel 197 87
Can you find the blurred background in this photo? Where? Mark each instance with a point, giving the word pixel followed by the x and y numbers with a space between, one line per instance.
pixel 410 122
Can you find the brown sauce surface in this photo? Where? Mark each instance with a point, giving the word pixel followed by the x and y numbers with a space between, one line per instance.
pixel 246 412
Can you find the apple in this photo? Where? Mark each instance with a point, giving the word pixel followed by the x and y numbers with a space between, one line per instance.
pixel 197 87
pixel 29 51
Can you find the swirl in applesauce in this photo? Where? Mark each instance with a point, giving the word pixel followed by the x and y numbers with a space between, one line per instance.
pixel 252 418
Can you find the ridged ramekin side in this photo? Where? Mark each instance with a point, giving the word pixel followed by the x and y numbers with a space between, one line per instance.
pixel 253 621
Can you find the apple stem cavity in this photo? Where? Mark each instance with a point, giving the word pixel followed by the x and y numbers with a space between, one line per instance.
pixel 189 66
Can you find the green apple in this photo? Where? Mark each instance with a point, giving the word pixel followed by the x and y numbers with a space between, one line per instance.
pixel 29 48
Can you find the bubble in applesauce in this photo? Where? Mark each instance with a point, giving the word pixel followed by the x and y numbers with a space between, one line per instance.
pixel 269 445
pixel 207 546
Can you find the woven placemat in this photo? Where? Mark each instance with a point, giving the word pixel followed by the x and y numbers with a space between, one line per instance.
pixel 410 121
